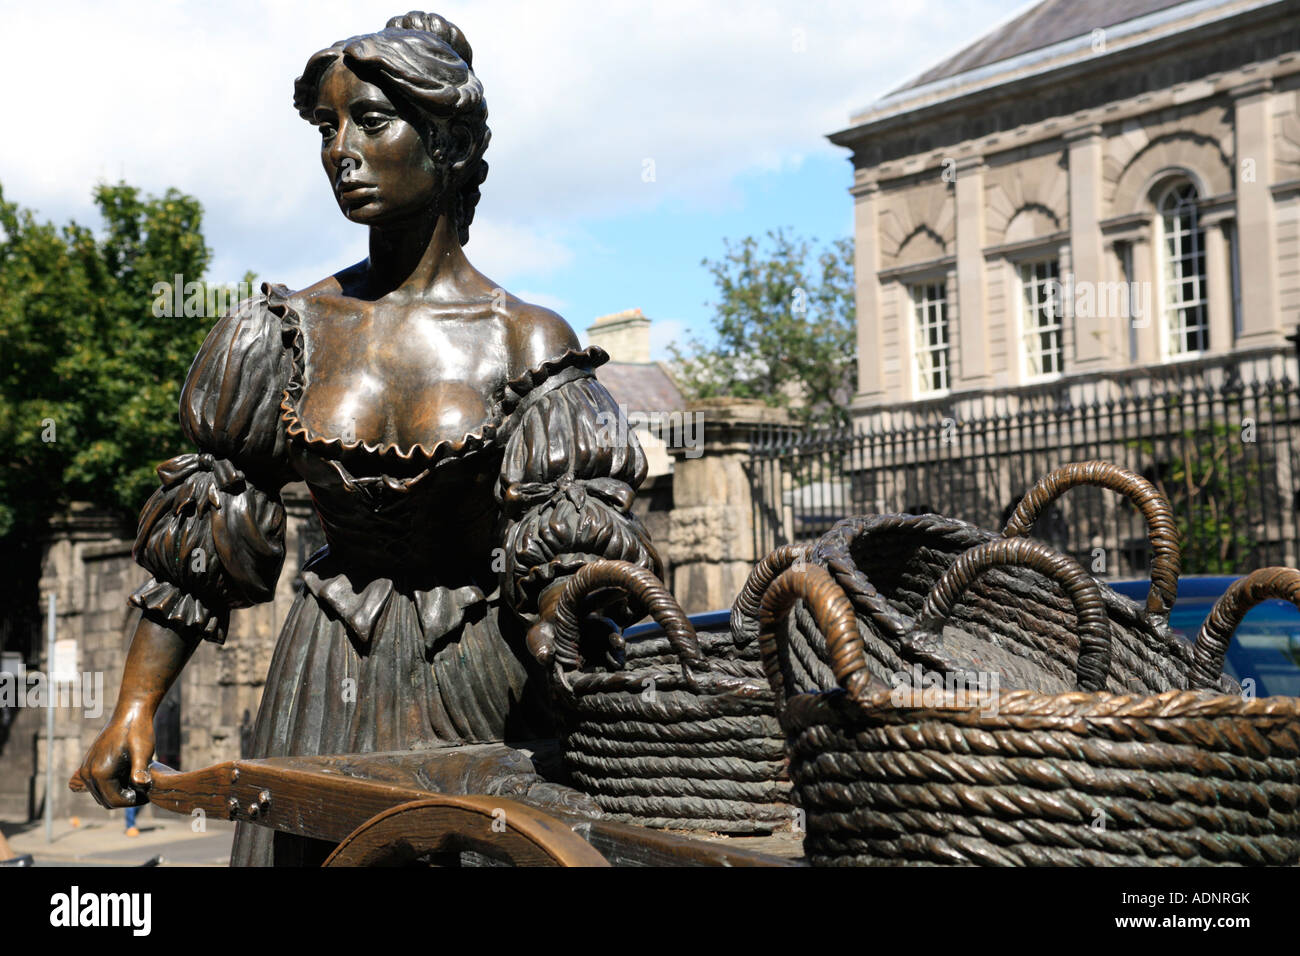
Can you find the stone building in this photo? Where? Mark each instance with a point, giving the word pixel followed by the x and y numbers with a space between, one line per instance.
pixel 1079 237
pixel 1093 187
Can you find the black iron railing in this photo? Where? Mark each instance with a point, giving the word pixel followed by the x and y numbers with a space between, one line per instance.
pixel 1226 454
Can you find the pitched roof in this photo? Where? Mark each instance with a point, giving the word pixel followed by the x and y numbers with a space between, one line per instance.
pixel 1051 21
pixel 641 388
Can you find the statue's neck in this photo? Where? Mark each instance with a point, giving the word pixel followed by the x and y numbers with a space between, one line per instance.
pixel 422 257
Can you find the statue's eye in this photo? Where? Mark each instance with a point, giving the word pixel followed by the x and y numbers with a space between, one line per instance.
pixel 374 121
pixel 326 131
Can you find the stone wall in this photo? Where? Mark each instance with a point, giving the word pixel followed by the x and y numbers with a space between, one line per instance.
pixel 89 568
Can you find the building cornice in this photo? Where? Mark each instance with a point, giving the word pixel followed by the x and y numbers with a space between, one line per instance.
pixel 1057 127
pixel 1122 43
pixel 947 123
pixel 918 270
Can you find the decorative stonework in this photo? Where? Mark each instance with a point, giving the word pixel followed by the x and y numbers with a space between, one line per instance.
pixel 1026 199
pixel 1200 142
pixel 711 526
pixel 917 223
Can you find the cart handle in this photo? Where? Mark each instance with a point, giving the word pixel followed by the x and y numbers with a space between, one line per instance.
pixel 1166 556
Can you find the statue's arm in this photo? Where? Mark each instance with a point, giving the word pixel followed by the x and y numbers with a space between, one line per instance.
pixel 116 768
pixel 211 537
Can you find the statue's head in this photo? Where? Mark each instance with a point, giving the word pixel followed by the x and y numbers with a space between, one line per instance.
pixel 403 121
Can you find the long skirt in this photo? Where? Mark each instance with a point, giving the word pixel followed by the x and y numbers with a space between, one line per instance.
pixel 422 680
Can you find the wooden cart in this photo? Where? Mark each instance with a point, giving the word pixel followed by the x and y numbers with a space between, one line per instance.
pixel 483 804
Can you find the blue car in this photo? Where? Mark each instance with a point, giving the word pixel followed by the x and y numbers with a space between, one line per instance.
pixel 1265 649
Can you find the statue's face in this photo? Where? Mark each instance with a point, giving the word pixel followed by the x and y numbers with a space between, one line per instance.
pixel 376 160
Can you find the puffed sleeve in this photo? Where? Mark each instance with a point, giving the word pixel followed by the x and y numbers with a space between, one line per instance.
pixel 212 536
pixel 570 473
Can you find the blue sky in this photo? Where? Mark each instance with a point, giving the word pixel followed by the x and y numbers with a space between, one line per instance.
pixel 730 100
pixel 652 259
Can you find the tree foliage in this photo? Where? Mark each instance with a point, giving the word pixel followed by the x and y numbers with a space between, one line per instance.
pixel 89 377
pixel 784 326
pixel 1209 477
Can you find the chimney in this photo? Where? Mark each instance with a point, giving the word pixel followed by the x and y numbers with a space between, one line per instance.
pixel 624 335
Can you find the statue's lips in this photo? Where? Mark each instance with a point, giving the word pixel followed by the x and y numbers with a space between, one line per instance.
pixel 359 194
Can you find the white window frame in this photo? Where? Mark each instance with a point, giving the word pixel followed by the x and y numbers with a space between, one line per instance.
pixel 929 310
pixel 1181 241
pixel 1032 294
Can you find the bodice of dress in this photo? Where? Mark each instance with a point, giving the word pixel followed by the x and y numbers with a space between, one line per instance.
pixel 416 514
pixel 528 495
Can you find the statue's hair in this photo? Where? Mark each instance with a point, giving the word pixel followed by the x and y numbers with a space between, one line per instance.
pixel 427 62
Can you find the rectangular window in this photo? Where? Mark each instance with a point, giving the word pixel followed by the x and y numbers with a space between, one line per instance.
pixel 1040 298
pixel 930 331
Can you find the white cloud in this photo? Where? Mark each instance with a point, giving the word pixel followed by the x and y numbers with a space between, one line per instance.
pixel 197 96
pixel 544 299
pixel 665 332
pixel 500 249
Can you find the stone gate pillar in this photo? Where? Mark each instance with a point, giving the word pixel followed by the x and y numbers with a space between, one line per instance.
pixel 711 528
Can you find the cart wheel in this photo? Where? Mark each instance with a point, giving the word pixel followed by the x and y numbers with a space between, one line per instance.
pixel 464 830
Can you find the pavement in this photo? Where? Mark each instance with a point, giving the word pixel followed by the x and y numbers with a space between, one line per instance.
pixel 165 839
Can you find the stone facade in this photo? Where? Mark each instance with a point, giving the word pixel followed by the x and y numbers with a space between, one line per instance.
pixel 1060 159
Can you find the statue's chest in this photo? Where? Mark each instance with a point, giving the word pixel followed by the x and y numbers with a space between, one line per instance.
pixel 389 376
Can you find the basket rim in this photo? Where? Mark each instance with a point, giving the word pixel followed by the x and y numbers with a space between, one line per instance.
pixel 944 703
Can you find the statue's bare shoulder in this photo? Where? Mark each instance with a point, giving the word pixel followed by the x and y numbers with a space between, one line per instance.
pixel 536 335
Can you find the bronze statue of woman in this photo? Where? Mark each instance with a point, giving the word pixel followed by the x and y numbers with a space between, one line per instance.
pixel 454 439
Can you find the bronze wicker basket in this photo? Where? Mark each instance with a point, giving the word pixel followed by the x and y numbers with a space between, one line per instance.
pixel 908 776
pixel 887 564
pixel 691 745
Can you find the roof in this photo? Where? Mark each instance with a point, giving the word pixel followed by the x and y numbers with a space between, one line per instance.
pixel 641 388
pixel 1049 22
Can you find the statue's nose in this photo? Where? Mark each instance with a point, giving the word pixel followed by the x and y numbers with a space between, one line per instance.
pixel 342 153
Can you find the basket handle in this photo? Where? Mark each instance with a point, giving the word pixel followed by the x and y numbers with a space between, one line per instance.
pixel 1216 633
pixel 834 615
pixel 642 585
pixel 745 612
pixel 1082 590
pixel 1166 557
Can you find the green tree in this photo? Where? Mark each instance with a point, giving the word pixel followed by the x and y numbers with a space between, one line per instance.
pixel 1208 477
pixel 89 377
pixel 784 327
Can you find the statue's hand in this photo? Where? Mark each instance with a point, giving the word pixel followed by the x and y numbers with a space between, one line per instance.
pixel 116 768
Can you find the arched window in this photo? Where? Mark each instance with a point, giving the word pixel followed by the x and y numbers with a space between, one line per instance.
pixel 1182 293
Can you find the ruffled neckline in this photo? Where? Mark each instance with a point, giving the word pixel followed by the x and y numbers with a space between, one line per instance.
pixel 484 435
